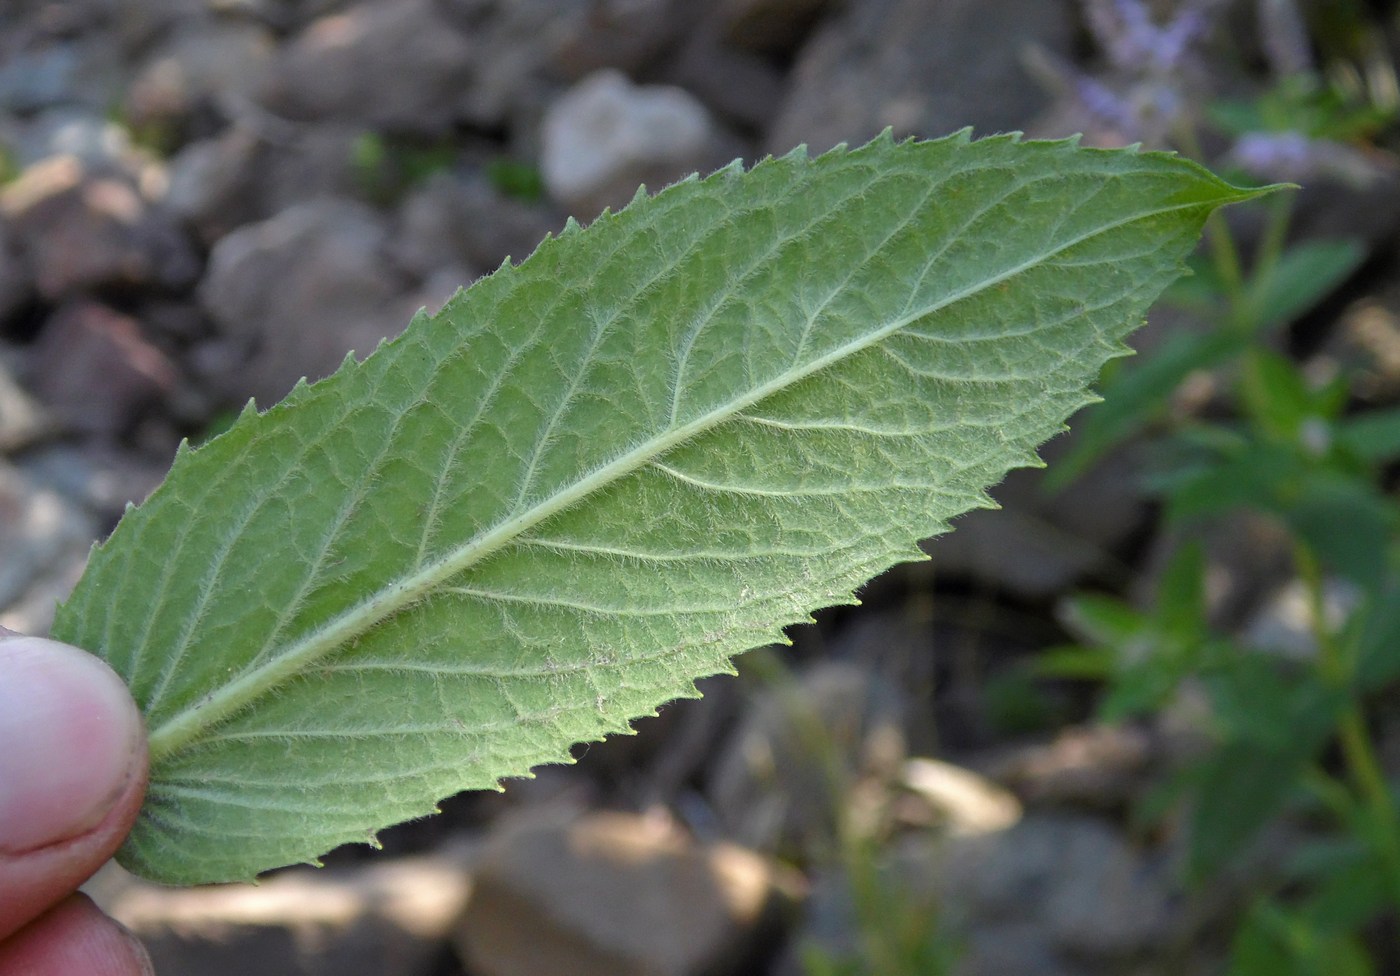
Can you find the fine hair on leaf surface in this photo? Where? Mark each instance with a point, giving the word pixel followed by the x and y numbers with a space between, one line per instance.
pixel 594 477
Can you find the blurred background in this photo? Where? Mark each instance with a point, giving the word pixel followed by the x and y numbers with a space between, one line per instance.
pixel 1144 720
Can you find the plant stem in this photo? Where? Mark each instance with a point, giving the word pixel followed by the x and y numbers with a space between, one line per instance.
pixel 1358 753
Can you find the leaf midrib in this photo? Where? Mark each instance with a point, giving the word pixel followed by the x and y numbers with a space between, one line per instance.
pixel 183 728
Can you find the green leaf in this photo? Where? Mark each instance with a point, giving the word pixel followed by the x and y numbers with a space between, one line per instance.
pixel 1135 397
pixel 1304 275
pixel 1373 436
pixel 593 478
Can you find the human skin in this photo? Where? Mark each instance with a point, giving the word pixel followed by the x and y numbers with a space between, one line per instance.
pixel 72 776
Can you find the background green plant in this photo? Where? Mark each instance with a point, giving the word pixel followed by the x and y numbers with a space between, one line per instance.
pixel 1290 736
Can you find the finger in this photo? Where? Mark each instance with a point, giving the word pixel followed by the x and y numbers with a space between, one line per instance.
pixel 73 938
pixel 72 772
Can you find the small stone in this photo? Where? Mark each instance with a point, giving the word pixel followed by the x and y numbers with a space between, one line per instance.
pixel 922 68
pixel 740 86
pixel 213 185
pixel 45 539
pixel 203 60
pixel 1074 876
pixel 614 894
pixel 396 65
pixel 81 229
pixel 101 478
pixel 465 221
pixel 606 136
pixel 1096 767
pixel 95 370
pixel 15 288
pixel 97 142
pixel 22 420
pixel 253 170
pixel 298 291
pixel 772 785
pixel 1039 544
pixel 40 71
pixel 384 917
pixel 771 27
pixel 1012 948
pixel 965 802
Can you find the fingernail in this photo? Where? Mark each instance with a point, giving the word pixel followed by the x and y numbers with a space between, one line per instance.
pixel 70 738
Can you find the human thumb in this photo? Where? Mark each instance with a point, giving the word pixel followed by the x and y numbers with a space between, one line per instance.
pixel 72 768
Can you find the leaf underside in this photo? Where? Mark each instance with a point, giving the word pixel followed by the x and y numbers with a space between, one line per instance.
pixel 593 478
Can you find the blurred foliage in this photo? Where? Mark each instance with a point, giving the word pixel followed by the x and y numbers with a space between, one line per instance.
pixel 517 180
pixel 387 166
pixel 1290 735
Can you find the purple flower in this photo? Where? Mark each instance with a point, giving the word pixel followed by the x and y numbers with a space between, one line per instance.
pixel 1293 157
pixel 1135 43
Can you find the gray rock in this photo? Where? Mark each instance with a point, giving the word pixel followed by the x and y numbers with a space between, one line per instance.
pixel 629 35
pixel 773 786
pixel 614 894
pixel 742 87
pixel 451 220
pixel 769 26
pixel 391 916
pixel 213 183
pixel 315 160
pixel 396 65
pixel 298 291
pixel 527 47
pixel 22 420
pixel 45 539
pixel 1094 896
pixel 95 370
pixel 258 167
pixel 1022 949
pixel 202 61
pixel 15 288
pixel 1096 767
pixel 922 68
pixel 81 228
pixel 1039 544
pixel 959 800
pixel 606 136
pixel 137 24
pixel 101 478
pixel 41 70
pixel 68 130
pixel 38 79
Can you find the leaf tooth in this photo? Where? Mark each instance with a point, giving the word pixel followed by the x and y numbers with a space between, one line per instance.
pixel 182 448
pixel 250 409
pixel 642 193
pixel 571 226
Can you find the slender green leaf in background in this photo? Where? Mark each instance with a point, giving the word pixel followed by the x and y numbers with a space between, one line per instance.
pixel 1134 396
pixel 593 478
